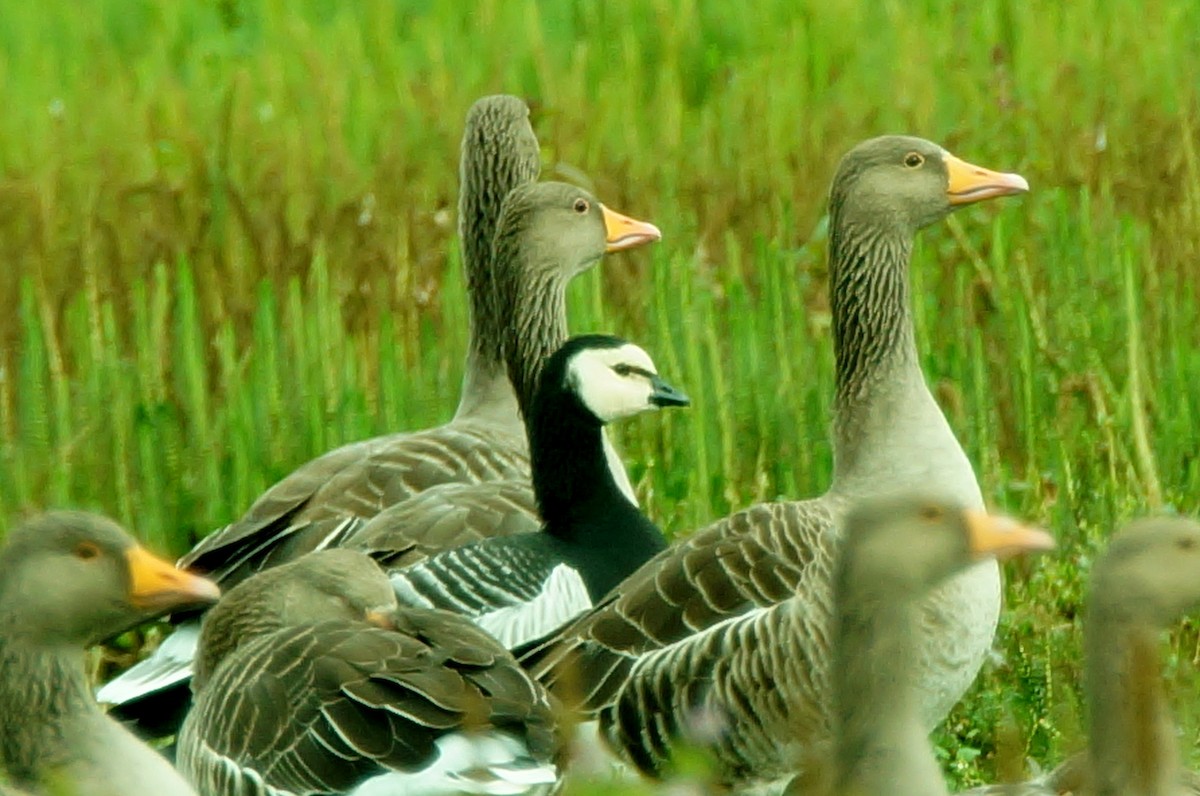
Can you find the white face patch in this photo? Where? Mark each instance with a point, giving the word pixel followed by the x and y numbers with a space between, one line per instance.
pixel 613 382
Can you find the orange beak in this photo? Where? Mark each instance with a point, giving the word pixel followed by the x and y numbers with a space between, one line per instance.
pixel 624 232
pixel 970 183
pixel 1003 537
pixel 159 586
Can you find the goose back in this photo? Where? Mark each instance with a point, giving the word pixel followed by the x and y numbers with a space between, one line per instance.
pixel 375 700
pixel 323 501
pixel 317 504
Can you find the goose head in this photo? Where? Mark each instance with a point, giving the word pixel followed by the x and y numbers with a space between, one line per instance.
pixel 907 183
pixel 326 585
pixel 904 545
pixel 1150 573
pixel 317 587
pixel 564 230
pixel 610 378
pixel 71 579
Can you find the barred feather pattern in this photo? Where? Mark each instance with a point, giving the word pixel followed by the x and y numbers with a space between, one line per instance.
pixel 446 517
pixel 725 636
pixel 702 634
pixel 329 497
pixel 321 708
pixel 327 500
pixel 473 580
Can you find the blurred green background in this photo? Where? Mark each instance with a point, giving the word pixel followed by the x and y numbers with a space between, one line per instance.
pixel 227 245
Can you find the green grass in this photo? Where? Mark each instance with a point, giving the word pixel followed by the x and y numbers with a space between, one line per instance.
pixel 226 245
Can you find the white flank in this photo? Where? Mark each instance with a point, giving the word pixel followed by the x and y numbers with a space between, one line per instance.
pixel 497 763
pixel 563 596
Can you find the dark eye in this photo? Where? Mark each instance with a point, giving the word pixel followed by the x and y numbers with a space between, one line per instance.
pixel 623 369
pixel 86 551
pixel 582 206
pixel 931 513
pixel 914 160
pixel 1186 543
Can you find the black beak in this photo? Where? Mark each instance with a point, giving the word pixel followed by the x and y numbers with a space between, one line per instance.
pixel 666 395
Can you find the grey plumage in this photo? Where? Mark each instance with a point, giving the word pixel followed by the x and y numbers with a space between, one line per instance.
pixel 67 580
pixel 298 693
pixel 896 550
pixel 1147 578
pixel 483 442
pixel 327 499
pixel 722 640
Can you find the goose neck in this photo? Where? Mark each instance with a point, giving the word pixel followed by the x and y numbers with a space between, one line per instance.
pixel 880 743
pixel 532 296
pixel 486 390
pixel 497 156
pixel 887 429
pixel 1131 733
pixel 872 322
pixel 571 476
pixel 40 693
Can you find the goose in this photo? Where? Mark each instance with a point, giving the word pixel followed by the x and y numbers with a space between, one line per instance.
pixel 484 438
pixel 1145 581
pixel 521 587
pixel 721 641
pixel 325 501
pixel 68 580
pixel 547 234
pixel 895 550
pixel 310 680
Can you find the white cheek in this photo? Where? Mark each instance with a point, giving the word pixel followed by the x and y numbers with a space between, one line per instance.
pixel 614 398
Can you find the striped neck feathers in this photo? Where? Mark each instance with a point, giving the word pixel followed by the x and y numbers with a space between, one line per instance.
pixel 499 153
pixel 534 297
pixel 41 691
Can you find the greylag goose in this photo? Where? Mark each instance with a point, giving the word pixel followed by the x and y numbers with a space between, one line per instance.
pixel 326 500
pixel 894 551
pixel 1142 584
pixel 325 497
pixel 522 587
pixel 484 440
pixel 548 233
pixel 309 681
pixel 68 580
pixel 729 628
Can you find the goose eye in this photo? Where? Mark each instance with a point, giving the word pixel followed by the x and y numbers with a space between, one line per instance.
pixel 86 551
pixel 623 369
pixel 931 513
pixel 581 206
pixel 913 160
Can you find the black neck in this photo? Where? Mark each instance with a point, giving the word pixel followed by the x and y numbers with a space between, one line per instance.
pixel 571 477
pixel 605 536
